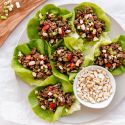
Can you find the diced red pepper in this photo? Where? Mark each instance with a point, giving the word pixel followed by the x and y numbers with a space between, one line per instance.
pixel 72 65
pixel 69 56
pixel 52 105
pixel 108 65
pixel 50 88
pixel 46 27
pixel 49 66
pixel 63 33
pixel 28 57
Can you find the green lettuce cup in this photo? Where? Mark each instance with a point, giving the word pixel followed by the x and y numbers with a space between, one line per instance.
pixel 91 22
pixel 69 57
pixel 111 55
pixel 53 109
pixel 30 62
pixel 51 24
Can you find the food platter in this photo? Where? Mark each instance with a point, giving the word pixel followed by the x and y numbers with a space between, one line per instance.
pixel 88 114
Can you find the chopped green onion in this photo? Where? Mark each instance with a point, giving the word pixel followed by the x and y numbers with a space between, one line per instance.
pixel 3 17
pixel 6 11
pixel 5 3
pixel 5 7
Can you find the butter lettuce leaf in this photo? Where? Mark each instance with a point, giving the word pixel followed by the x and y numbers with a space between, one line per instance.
pixel 48 115
pixel 24 73
pixel 121 41
pixel 72 43
pixel 32 26
pixel 100 14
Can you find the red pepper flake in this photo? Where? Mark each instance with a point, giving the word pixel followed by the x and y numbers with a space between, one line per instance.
pixel 52 105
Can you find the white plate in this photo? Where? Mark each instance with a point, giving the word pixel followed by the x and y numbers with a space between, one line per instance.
pixel 88 114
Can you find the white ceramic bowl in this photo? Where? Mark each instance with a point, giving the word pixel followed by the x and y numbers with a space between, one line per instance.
pixel 100 104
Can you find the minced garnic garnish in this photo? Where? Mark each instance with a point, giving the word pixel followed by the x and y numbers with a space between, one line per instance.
pixel 39 64
pixel 67 61
pixel 94 85
pixel 53 28
pixel 111 56
pixel 53 96
pixel 88 25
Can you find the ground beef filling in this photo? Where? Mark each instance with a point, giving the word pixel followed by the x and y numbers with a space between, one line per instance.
pixel 88 25
pixel 53 96
pixel 39 64
pixel 67 61
pixel 54 28
pixel 111 56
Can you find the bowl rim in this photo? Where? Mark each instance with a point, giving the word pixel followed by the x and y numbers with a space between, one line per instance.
pixel 99 105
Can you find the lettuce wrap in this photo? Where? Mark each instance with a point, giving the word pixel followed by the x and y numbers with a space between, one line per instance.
pixel 72 44
pixel 60 111
pixel 121 41
pixel 24 73
pixel 32 27
pixel 99 13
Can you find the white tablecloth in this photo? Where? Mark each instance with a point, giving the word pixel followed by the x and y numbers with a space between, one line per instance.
pixel 116 8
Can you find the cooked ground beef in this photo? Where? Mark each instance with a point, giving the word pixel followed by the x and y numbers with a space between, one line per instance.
pixel 111 56
pixel 54 28
pixel 53 96
pixel 67 61
pixel 88 25
pixel 39 64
